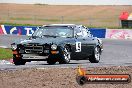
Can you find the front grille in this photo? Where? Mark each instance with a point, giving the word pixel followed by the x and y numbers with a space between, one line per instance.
pixel 46 46
pixel 33 48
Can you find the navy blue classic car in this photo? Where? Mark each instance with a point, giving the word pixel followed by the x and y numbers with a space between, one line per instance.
pixel 58 43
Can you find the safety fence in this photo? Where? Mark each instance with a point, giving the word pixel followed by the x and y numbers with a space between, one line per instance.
pixel 41 19
pixel 97 32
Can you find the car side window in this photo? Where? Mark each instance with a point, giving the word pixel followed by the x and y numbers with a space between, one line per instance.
pixel 84 32
pixel 89 34
pixel 78 31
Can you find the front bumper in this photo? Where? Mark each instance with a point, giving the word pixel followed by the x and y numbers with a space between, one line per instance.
pixel 33 57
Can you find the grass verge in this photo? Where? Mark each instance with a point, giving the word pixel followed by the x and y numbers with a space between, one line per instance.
pixel 89 26
pixel 17 24
pixel 5 54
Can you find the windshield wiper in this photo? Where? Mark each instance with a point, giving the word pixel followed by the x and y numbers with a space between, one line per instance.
pixel 50 36
pixel 68 37
pixel 34 37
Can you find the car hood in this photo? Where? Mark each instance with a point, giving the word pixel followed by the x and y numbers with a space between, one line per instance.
pixel 44 40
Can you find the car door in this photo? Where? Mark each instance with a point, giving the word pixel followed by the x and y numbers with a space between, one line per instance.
pixel 85 39
pixel 88 42
pixel 79 44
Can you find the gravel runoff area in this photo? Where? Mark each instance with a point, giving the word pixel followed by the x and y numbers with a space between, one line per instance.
pixel 57 77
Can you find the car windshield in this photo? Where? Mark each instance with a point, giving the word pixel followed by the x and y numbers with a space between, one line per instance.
pixel 54 32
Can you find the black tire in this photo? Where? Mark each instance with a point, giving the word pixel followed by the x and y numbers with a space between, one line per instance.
pixel 95 58
pixel 51 60
pixel 81 80
pixel 66 56
pixel 18 61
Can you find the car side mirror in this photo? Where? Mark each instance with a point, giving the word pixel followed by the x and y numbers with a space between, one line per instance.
pixel 78 35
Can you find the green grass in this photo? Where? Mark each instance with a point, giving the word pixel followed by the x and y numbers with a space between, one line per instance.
pixel 21 18
pixel 46 20
pixel 110 27
pixel 17 24
pixel 5 53
pixel 49 20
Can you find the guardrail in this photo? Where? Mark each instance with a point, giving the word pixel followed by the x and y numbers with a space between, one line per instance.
pixel 97 32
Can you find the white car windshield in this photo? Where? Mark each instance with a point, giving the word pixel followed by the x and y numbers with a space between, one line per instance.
pixel 55 31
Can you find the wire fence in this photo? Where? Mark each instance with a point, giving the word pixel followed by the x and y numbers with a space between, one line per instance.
pixel 41 20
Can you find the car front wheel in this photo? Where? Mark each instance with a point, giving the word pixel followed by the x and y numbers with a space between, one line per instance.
pixel 51 60
pixel 95 58
pixel 66 56
pixel 18 61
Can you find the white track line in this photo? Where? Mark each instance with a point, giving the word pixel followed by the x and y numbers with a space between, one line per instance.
pixel 3 47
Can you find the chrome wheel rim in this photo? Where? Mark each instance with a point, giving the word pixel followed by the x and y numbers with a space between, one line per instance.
pixel 67 55
pixel 97 54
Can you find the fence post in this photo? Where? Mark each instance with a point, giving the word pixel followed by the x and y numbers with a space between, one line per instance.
pixel 62 19
pixel 119 22
pixel 8 14
pixel 89 22
pixel 34 19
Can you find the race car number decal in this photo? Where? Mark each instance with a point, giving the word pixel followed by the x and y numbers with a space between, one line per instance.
pixel 78 46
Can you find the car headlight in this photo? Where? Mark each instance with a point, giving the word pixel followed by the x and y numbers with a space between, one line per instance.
pixel 14 46
pixel 53 47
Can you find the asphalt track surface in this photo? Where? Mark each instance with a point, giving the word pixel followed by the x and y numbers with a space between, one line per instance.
pixel 116 53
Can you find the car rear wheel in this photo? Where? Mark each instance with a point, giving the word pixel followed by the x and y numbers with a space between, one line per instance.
pixel 66 56
pixel 95 58
pixel 18 61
